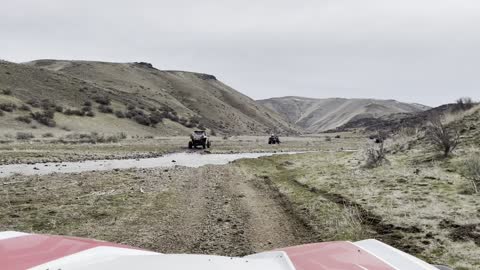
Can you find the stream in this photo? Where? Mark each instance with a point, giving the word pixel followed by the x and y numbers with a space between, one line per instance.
pixel 177 159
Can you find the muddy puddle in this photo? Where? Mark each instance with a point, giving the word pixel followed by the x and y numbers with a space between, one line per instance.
pixel 177 159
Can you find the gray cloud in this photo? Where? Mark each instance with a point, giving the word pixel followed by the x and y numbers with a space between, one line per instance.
pixel 413 50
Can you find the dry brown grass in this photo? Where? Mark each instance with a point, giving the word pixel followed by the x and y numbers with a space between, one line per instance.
pixel 404 203
pixel 472 171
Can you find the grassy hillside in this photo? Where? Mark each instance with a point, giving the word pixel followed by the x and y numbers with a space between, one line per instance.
pixel 316 115
pixel 190 95
pixel 393 123
pixel 65 97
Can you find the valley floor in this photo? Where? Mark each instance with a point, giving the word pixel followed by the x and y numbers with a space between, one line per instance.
pixel 413 203
pixel 55 150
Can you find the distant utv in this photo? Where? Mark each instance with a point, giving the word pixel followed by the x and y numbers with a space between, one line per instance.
pixel 199 138
pixel 274 139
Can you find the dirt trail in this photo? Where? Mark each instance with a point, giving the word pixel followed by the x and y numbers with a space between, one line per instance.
pixel 208 210
pixel 232 215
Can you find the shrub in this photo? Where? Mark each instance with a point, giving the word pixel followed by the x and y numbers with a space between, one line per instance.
pixel 86 109
pixel 8 107
pixel 119 114
pixel 130 107
pixel 376 156
pixel 87 103
pixel 188 124
pixel 122 135
pixel 94 137
pixel 47 135
pixel 133 113
pixel 105 109
pixel 184 121
pixel 25 107
pixel 472 172
pixel 1 113
pixel 142 120
pixel 25 119
pixel 90 114
pixel 44 118
pixel 103 100
pixel 108 139
pixel 47 105
pixel 328 138
pixel 7 92
pixel 444 138
pixel 465 103
pixel 155 118
pixel 172 116
pixel 73 112
pixel 34 103
pixel 408 131
pixel 59 108
pixel 24 136
pixel 195 120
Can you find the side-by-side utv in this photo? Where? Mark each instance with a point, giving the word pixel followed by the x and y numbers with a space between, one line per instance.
pixel 199 138
pixel 273 139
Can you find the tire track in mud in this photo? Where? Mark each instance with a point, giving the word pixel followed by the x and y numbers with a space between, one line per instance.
pixel 225 213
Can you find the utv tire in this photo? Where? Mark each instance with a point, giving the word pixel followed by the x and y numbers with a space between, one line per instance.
pixel 204 146
pixel 190 145
pixel 208 144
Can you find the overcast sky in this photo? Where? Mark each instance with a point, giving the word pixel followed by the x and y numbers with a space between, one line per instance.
pixel 425 51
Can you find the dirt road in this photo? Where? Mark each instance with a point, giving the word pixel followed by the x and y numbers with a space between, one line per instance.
pixel 223 212
pixel 209 210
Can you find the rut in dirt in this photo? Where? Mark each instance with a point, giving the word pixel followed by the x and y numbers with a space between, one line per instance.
pixel 385 232
pixel 231 215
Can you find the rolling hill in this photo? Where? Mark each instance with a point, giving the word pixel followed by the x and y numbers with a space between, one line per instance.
pixel 393 123
pixel 129 97
pixel 317 115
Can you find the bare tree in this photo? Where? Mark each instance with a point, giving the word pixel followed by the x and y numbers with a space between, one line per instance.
pixel 443 137
pixel 465 103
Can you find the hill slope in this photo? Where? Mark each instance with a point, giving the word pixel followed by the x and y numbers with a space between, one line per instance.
pixel 182 100
pixel 417 120
pixel 317 115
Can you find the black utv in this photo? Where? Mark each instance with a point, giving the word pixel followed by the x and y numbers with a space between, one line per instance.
pixel 273 139
pixel 199 138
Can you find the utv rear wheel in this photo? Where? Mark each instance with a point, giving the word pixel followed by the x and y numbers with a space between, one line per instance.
pixel 204 145
pixel 190 145
pixel 208 144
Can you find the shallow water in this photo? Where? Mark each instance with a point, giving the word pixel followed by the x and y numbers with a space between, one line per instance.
pixel 182 159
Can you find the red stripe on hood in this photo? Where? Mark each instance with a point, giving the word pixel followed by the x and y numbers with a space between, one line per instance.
pixel 24 252
pixel 333 255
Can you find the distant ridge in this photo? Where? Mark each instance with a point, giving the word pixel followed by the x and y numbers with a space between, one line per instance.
pixel 318 115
